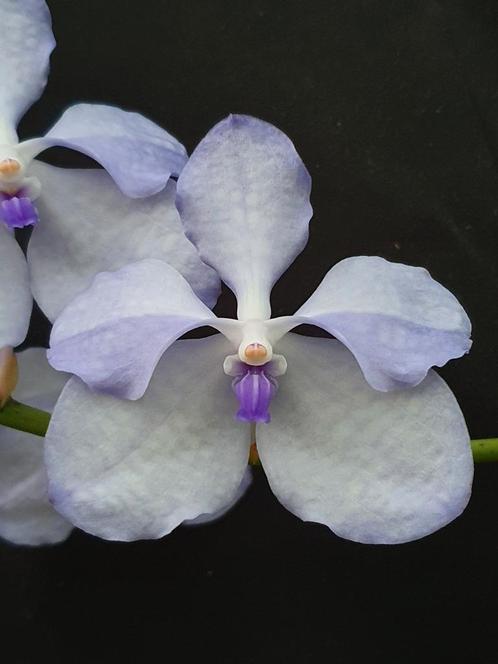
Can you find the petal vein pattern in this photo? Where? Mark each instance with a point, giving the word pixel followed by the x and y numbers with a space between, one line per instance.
pixel 244 201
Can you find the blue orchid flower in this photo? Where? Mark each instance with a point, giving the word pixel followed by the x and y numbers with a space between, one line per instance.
pixel 85 221
pixel 364 436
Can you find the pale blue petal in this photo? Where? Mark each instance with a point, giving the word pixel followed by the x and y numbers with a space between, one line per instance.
pixel 204 519
pixel 139 155
pixel 130 470
pixel 87 226
pixel 244 200
pixel 397 321
pixel 114 333
pixel 26 41
pixel 375 467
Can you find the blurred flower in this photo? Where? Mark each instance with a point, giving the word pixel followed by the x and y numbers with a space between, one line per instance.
pixel 375 465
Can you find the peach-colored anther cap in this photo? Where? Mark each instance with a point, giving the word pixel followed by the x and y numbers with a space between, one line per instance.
pixel 9 167
pixel 255 352
pixel 8 374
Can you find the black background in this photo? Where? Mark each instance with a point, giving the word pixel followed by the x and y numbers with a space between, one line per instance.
pixel 393 107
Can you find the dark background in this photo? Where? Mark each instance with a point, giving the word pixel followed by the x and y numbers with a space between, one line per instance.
pixel 394 108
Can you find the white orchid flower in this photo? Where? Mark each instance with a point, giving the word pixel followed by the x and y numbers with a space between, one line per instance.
pixel 83 221
pixel 383 465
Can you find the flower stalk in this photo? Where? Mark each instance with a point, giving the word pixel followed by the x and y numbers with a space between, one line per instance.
pixel 485 449
pixel 22 417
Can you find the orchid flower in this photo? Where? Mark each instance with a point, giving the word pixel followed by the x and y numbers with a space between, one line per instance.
pixel 26 516
pixel 348 446
pixel 83 221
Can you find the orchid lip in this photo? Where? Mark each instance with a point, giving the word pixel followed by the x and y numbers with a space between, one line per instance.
pixel 17 211
pixel 254 386
pixel 254 390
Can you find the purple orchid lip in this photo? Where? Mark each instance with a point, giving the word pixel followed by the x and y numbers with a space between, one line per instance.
pixel 254 389
pixel 17 211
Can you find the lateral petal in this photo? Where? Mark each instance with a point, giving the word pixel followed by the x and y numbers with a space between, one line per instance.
pixel 139 155
pixel 136 470
pixel 374 467
pixel 114 333
pixel 396 320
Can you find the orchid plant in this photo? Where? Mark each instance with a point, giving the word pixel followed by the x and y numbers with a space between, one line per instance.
pixel 364 437
pixel 357 432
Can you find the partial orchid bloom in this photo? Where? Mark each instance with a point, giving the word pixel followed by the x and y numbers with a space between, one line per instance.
pixel 26 516
pixel 349 445
pixel 84 220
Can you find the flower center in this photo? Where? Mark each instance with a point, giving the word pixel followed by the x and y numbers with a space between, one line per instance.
pixel 17 192
pixel 254 385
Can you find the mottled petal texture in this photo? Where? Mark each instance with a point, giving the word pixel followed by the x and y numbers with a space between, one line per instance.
pixel 139 155
pixel 15 295
pixel 374 467
pixel 396 320
pixel 26 516
pixel 114 333
pixel 135 470
pixel 203 519
pixel 244 201
pixel 26 40
pixel 88 226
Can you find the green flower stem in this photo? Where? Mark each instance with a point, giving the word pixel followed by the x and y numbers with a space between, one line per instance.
pixel 24 418
pixel 33 420
pixel 485 449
